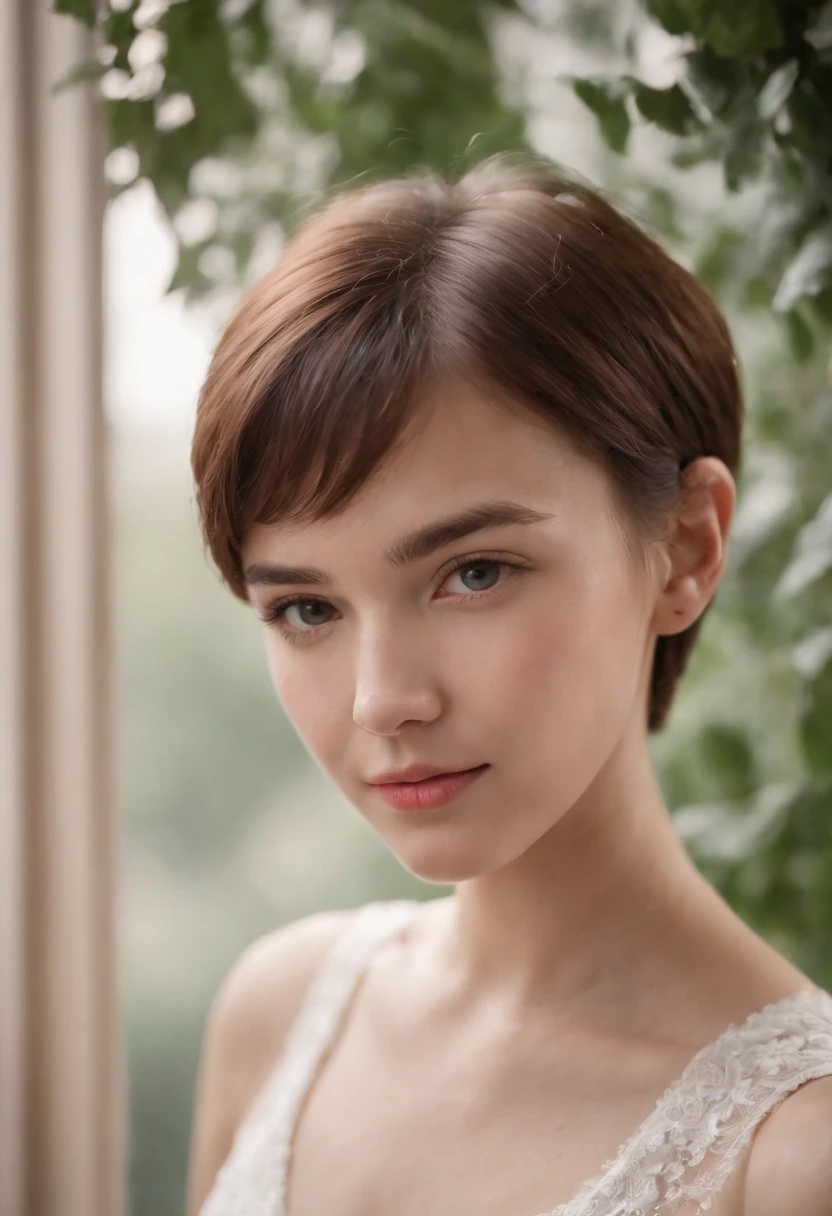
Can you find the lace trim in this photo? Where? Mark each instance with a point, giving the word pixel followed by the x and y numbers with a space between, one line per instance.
pixel 252 1180
pixel 686 1149
pixel 683 1152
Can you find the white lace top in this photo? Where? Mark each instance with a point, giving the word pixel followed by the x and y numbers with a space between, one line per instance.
pixel 682 1153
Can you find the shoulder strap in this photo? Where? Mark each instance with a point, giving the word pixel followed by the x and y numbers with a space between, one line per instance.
pixel 688 1146
pixel 253 1178
pixel 751 1069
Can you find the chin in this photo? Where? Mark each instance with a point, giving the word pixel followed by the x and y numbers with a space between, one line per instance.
pixel 453 863
pixel 441 875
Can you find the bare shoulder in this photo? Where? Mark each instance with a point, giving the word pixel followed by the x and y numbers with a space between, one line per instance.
pixel 790 1163
pixel 247 1023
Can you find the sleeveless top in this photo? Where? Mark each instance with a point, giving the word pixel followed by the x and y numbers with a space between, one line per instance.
pixel 682 1153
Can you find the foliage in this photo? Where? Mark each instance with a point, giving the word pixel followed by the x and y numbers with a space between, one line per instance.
pixel 235 103
pixel 754 92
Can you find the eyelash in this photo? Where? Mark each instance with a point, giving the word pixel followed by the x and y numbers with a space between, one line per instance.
pixel 274 613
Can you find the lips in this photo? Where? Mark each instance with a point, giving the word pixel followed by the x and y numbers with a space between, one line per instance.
pixel 429 793
pixel 414 773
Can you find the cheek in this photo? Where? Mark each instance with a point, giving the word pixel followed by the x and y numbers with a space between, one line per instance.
pixel 310 704
pixel 569 670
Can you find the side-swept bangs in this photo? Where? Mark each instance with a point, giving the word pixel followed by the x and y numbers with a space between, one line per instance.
pixel 517 276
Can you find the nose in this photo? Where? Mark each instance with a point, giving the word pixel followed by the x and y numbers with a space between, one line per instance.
pixel 394 682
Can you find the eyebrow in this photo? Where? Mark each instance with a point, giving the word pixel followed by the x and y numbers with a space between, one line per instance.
pixel 412 548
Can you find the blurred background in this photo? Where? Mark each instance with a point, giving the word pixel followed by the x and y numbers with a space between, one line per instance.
pixel 711 124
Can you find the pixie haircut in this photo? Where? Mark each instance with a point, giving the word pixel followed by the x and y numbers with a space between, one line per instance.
pixel 515 276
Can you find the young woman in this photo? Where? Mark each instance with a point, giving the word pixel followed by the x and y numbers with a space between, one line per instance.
pixel 469 452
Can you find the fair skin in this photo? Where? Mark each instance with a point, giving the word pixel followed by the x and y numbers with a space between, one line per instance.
pixel 581 960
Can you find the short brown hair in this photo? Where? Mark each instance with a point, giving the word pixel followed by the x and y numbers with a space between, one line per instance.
pixel 517 275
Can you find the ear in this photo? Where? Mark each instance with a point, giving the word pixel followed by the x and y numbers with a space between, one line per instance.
pixel 693 550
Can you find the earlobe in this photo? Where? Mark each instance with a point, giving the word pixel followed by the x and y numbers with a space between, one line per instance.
pixel 682 602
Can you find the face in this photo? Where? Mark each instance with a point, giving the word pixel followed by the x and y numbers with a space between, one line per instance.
pixel 520 646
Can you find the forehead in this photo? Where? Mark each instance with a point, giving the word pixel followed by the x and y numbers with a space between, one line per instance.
pixel 464 445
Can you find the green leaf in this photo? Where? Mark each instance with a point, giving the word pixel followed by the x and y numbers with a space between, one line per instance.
pixel 119 32
pixel 801 338
pixel 808 272
pixel 822 303
pixel 187 275
pixel 729 27
pixel 819 33
pixel 667 108
pixel 674 15
pixel 718 264
pixel 605 97
pixel 727 754
pixel 811 653
pixel 813 554
pixel 87 69
pixel 713 81
pixel 776 90
pixel 744 151
pixel 809 112
pixel 83 10
pixel 736 830
pixel 746 27
pixel 252 24
pixel 816 722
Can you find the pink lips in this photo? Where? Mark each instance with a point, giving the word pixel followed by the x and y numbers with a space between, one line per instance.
pixel 429 793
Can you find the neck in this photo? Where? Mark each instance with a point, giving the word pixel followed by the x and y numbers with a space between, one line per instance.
pixel 604 912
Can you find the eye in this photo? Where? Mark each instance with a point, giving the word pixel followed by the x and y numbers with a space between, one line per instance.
pixel 277 612
pixel 314 613
pixel 485 571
